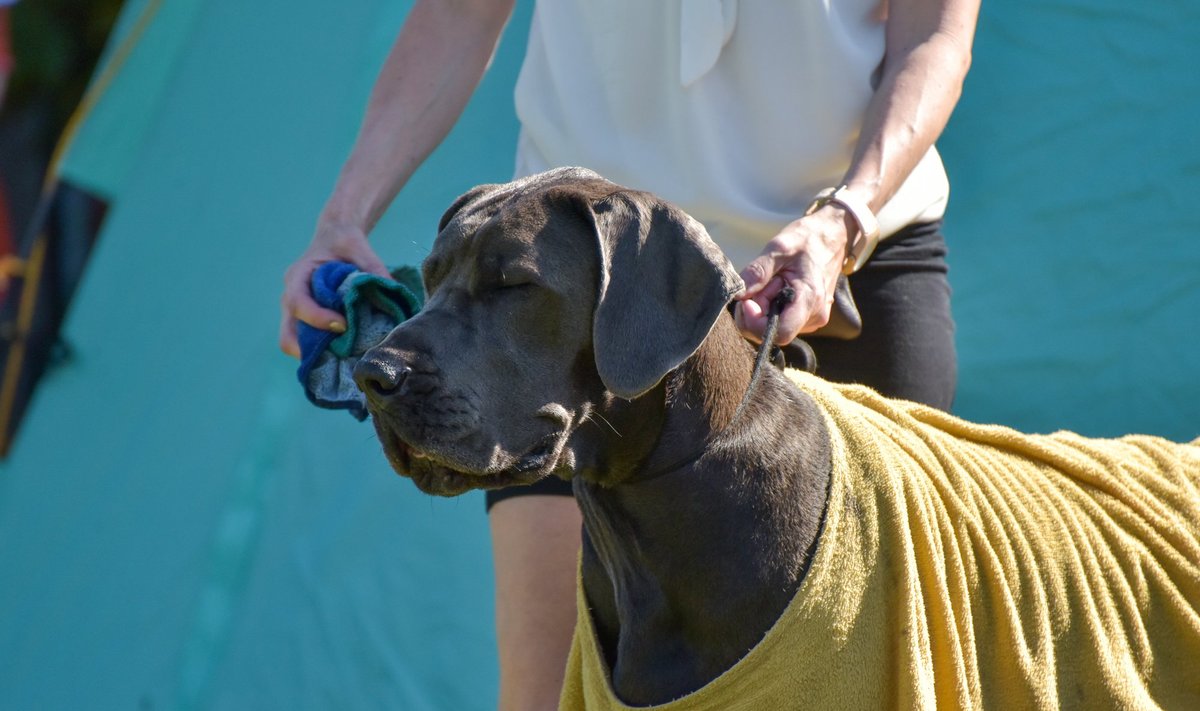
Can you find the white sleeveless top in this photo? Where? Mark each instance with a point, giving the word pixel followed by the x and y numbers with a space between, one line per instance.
pixel 739 112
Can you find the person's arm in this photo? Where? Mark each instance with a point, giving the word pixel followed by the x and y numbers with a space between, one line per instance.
pixel 433 68
pixel 926 59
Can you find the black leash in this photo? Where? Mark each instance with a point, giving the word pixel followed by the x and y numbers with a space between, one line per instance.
pixel 766 353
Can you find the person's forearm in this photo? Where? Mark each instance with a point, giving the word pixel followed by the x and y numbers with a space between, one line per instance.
pixel 429 75
pixel 924 69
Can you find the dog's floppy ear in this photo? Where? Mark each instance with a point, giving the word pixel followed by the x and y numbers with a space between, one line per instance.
pixel 663 282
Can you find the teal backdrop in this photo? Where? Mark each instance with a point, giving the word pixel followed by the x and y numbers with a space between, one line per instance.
pixel 179 529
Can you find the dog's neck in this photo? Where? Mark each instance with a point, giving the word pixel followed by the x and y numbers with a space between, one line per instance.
pixel 685 571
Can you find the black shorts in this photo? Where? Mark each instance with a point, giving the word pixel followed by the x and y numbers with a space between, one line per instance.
pixel 906 349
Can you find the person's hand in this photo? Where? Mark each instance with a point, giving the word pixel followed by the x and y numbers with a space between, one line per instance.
pixel 332 242
pixel 807 255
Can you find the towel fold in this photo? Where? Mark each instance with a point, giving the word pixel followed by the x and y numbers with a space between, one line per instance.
pixel 373 306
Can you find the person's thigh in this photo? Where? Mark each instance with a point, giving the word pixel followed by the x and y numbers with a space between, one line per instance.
pixel 535 550
pixel 906 349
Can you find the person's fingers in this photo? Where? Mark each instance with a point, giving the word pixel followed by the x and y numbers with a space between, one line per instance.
pixel 795 315
pixel 758 275
pixel 303 308
pixel 298 301
pixel 300 305
pixel 750 316
pixel 297 304
pixel 797 257
pixel 809 312
pixel 762 284
pixel 288 343
pixel 331 243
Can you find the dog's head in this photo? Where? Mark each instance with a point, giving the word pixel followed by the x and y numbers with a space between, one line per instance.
pixel 550 299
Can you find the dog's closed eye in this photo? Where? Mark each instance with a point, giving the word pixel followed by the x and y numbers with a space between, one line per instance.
pixel 515 281
pixel 504 277
pixel 503 286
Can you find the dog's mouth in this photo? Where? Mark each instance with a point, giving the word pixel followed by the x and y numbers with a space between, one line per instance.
pixel 437 475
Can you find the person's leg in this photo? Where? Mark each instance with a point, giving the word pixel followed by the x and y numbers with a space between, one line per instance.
pixel 535 549
pixel 906 349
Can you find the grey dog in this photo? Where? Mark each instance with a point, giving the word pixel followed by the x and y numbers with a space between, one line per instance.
pixel 578 329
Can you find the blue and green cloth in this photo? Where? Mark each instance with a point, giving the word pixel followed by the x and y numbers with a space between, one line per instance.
pixel 373 305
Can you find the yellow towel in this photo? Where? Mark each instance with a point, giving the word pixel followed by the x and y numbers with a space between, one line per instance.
pixel 972 566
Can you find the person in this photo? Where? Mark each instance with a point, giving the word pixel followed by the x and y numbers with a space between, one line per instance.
pixel 741 113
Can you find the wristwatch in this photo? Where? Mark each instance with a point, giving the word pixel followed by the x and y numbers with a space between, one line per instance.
pixel 864 242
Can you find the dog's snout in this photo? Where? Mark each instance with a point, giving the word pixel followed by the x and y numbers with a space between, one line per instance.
pixel 380 376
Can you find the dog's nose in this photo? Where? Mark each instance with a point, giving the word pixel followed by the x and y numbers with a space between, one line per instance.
pixel 380 376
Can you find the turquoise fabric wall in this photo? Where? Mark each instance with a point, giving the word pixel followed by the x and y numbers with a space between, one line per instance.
pixel 180 529
pixel 1074 160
